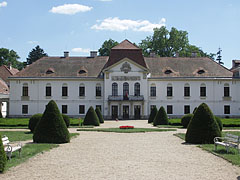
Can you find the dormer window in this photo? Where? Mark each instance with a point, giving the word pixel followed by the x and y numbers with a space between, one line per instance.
pixel 50 71
pixel 168 71
pixel 82 71
pixel 201 71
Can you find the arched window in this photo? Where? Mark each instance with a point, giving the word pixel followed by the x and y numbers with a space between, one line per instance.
pixel 226 90
pixel 25 89
pixel 203 90
pixel 98 90
pixel 137 89
pixel 186 90
pixel 153 90
pixel 64 90
pixel 82 90
pixel 169 90
pixel 125 89
pixel 48 89
pixel 114 89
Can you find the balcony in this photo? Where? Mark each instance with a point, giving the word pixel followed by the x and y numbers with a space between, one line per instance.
pixel 124 98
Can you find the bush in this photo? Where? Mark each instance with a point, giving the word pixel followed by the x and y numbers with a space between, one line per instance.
pixel 66 120
pixel 1 114
pixel 91 118
pixel 51 128
pixel 203 127
pixel 186 119
pixel 195 109
pixel 33 121
pixel 3 157
pixel 99 114
pixel 152 114
pixel 161 117
pixel 219 122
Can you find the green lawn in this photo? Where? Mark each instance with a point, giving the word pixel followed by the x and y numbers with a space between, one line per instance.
pixel 233 156
pixel 17 135
pixel 135 130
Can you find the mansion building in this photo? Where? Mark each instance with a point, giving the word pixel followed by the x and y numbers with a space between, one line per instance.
pixel 125 85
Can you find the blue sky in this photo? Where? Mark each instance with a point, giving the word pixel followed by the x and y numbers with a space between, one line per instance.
pixel 78 26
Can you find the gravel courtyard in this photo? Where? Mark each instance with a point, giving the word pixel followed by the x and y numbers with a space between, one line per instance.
pixel 99 155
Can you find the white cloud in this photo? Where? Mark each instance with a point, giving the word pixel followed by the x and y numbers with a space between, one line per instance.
pixel 70 9
pixel 81 50
pixel 32 42
pixel 116 24
pixel 3 4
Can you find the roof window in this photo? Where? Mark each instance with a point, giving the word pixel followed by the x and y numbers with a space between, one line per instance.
pixel 50 71
pixel 168 71
pixel 82 71
pixel 201 71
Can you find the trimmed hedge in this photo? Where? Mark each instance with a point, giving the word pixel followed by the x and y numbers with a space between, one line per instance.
pixel 33 121
pixel 161 117
pixel 3 157
pixel 203 127
pixel 152 114
pixel 186 119
pixel 66 120
pixel 91 118
pixel 99 114
pixel 51 128
pixel 219 122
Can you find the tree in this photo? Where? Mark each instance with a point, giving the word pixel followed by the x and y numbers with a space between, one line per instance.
pixel 152 114
pixel 99 114
pixel 10 57
pixel 35 54
pixel 106 47
pixel 161 117
pixel 3 157
pixel 91 118
pixel 203 127
pixel 51 128
pixel 170 43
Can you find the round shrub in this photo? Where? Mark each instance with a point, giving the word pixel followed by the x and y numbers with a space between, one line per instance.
pixel 3 157
pixel 219 122
pixel 152 114
pixel 161 117
pixel 66 120
pixel 186 119
pixel 99 114
pixel 33 121
pixel 203 127
pixel 91 118
pixel 51 128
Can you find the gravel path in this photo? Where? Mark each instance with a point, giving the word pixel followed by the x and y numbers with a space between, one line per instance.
pixel 98 155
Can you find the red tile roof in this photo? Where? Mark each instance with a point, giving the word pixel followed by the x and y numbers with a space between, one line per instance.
pixel 6 72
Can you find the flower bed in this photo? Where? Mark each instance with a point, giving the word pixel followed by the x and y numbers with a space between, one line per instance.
pixel 126 127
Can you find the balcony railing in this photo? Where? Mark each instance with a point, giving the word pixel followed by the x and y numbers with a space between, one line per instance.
pixel 125 98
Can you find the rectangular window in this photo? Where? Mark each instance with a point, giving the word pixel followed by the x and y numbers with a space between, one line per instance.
pixel 25 91
pixel 24 109
pixel 64 91
pixel 186 109
pixel 186 91
pixel 203 91
pixel 99 107
pixel 169 109
pixel 82 91
pixel 98 91
pixel 48 91
pixel 227 109
pixel 226 92
pixel 153 91
pixel 64 109
pixel 81 109
pixel 169 91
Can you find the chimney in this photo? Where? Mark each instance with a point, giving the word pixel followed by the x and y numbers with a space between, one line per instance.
pixel 66 54
pixel 152 54
pixel 9 66
pixel 93 54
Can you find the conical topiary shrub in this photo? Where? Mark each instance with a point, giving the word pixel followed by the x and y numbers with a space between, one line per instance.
pixel 51 128
pixel 3 157
pixel 186 119
pixel 66 120
pixel 152 114
pixel 203 127
pixel 91 118
pixel 1 114
pixel 33 121
pixel 195 109
pixel 219 122
pixel 99 114
pixel 161 117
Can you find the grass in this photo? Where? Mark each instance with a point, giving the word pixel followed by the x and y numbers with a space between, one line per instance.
pixel 17 135
pixel 232 156
pixel 135 130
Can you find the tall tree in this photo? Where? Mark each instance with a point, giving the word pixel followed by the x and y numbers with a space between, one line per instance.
pixel 106 47
pixel 35 54
pixel 10 57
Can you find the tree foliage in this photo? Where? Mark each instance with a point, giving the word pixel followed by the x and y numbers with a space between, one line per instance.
pixel 35 54
pixel 106 47
pixel 169 43
pixel 10 57
pixel 3 157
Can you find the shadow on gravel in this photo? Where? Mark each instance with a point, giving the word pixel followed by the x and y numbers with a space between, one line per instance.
pixel 238 178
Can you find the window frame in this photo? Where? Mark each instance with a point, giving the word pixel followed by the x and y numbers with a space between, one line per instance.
pixel 81 111
pixel 226 90
pixel 48 90
pixel 114 89
pixel 64 90
pixel 186 90
pixel 227 109
pixel 137 90
pixel 169 91
pixel 125 88
pixel 98 90
pixel 153 90
pixel 64 109
pixel 169 109
pixel 82 90
pixel 187 109
pixel 25 90
pixel 24 109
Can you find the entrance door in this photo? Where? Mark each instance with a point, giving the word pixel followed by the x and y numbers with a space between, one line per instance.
pixel 114 112
pixel 125 112
pixel 137 110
